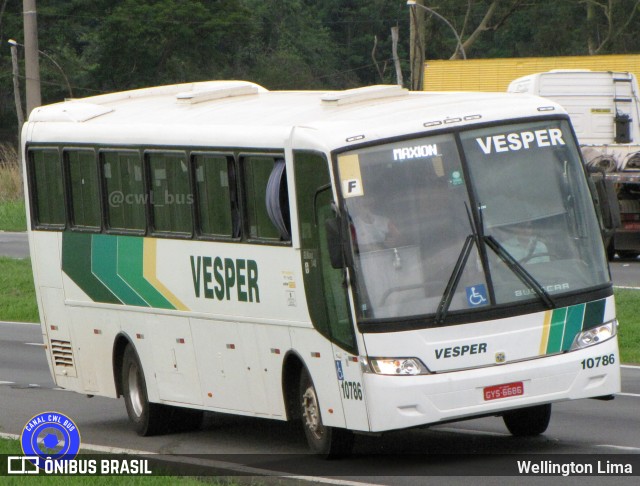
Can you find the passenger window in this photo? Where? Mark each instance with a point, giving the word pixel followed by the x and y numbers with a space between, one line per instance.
pixel 216 204
pixel 124 190
pixel 170 193
pixel 267 198
pixel 47 193
pixel 82 173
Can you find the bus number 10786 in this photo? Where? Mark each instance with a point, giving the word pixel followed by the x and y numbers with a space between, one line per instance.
pixel 351 390
pixel 598 361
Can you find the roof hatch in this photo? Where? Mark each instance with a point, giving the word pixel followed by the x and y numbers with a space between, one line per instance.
pixel 366 93
pixel 216 91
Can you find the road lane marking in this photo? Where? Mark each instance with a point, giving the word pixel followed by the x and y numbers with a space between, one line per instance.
pixel 469 431
pixel 6 382
pixel 21 323
pixel 635 395
pixel 35 344
pixel 620 448
pixel 630 367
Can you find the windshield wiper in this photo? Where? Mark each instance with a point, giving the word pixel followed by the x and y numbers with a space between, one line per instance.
pixel 516 267
pixel 454 279
pixel 456 274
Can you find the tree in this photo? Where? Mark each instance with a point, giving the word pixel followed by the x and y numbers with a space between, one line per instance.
pixel 147 42
pixel 494 17
pixel 290 46
pixel 607 21
pixel 355 28
pixel 471 21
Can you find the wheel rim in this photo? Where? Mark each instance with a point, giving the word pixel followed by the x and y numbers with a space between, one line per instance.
pixel 135 393
pixel 311 413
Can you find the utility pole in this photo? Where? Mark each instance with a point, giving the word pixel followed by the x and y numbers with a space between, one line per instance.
pixel 416 45
pixel 31 60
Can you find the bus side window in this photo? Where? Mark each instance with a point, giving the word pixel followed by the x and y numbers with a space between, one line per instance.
pixel 82 179
pixel 266 196
pixel 124 190
pixel 170 193
pixel 216 201
pixel 47 193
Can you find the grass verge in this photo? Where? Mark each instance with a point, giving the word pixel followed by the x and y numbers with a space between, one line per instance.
pixel 628 310
pixel 12 213
pixel 12 216
pixel 17 294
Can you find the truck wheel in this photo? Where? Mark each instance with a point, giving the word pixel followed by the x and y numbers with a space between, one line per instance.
pixel 627 254
pixel 147 418
pixel 527 422
pixel 328 442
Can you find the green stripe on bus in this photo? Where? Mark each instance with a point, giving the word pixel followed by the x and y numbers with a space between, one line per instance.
pixel 556 332
pixel 130 269
pixel 575 316
pixel 76 263
pixel 594 314
pixel 104 264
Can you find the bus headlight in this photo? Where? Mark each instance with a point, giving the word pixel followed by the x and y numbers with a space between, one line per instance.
pixel 595 335
pixel 397 366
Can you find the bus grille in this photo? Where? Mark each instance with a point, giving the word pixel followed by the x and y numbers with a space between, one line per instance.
pixel 62 353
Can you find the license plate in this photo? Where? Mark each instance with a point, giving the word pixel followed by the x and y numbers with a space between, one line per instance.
pixel 504 391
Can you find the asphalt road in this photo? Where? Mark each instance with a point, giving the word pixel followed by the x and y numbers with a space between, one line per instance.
pixel 14 245
pixel 403 457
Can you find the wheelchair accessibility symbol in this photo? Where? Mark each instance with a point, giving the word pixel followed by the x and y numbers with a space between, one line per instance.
pixel 477 295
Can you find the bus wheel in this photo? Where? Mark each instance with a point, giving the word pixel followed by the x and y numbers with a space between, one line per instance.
pixel 527 422
pixel 147 418
pixel 329 442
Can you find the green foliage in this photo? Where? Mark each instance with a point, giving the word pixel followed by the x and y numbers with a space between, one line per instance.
pixel 289 47
pixel 151 42
pixel 113 45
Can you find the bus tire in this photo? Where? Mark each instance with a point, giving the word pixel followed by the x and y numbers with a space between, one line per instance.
pixel 328 442
pixel 528 422
pixel 147 418
pixel 184 419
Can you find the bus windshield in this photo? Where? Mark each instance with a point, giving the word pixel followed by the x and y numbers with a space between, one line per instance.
pixel 469 220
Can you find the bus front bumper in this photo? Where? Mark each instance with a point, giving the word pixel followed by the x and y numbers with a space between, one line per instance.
pixel 398 402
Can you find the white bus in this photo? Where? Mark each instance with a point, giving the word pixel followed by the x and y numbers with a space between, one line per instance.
pixel 362 261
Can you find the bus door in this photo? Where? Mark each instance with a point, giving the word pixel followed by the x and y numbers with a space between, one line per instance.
pixel 325 286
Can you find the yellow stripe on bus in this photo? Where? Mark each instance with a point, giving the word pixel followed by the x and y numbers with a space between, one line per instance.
pixel 546 329
pixel 149 271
